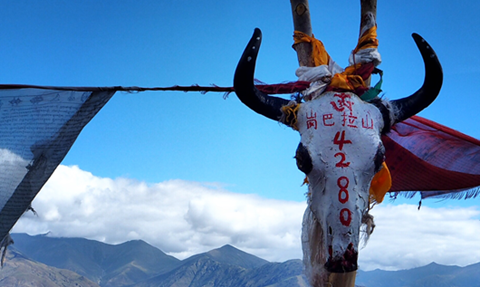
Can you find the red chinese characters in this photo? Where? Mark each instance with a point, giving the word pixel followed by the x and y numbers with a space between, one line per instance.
pixel 344 105
pixel 349 120
pixel 328 120
pixel 367 121
pixel 312 120
pixel 343 102
pixel 343 118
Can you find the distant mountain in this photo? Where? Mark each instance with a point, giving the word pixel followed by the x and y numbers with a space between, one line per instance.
pixel 431 275
pixel 135 263
pixel 286 274
pixel 105 264
pixel 232 256
pixel 21 271
pixel 228 266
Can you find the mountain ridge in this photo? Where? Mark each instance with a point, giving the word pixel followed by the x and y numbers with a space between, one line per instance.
pixel 19 270
pixel 432 274
pixel 230 255
pixel 136 263
pixel 105 264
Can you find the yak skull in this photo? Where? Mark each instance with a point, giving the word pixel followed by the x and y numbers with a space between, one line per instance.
pixel 340 152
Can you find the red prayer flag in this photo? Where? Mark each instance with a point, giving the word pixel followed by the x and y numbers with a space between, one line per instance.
pixel 433 159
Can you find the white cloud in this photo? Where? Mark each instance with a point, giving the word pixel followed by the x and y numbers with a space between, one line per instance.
pixel 184 218
pixel 179 217
pixel 406 237
pixel 13 169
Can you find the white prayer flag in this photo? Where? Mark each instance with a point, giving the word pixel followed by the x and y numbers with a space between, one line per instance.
pixel 38 127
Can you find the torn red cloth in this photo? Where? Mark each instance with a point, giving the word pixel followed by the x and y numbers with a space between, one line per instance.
pixel 431 158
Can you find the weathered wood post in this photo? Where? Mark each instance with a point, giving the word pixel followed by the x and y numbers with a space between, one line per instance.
pixel 302 23
pixel 367 6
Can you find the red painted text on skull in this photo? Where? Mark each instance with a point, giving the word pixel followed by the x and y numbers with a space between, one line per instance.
pixel 327 120
pixel 367 122
pixel 312 120
pixel 343 102
pixel 345 216
pixel 342 183
pixel 340 140
pixel 344 106
pixel 342 162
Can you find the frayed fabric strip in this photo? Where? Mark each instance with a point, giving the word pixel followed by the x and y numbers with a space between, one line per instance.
pixel 369 55
pixel 320 77
pixel 6 241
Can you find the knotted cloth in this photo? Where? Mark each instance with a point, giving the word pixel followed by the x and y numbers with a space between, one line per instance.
pixel 352 79
pixel 363 60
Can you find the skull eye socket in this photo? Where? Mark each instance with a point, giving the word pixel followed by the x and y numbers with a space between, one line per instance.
pixel 379 157
pixel 304 161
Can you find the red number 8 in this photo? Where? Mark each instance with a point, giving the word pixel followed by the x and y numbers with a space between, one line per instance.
pixel 343 193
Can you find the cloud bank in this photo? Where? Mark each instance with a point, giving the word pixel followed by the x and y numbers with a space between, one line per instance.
pixel 184 218
pixel 406 237
pixel 179 217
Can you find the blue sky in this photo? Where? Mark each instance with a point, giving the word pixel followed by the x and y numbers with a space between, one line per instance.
pixel 159 136
pixel 156 136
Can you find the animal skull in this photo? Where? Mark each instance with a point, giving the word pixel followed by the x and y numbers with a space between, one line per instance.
pixel 341 145
pixel 340 152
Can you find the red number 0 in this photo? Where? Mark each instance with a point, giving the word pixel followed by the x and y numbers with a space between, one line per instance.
pixel 345 217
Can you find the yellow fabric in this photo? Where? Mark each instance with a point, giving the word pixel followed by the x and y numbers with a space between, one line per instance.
pixel 347 80
pixel 290 115
pixel 367 40
pixel 305 181
pixel 319 54
pixel 380 185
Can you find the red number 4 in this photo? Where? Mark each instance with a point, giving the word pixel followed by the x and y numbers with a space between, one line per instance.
pixel 340 140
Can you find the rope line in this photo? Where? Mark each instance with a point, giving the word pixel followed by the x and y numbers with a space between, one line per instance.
pixel 286 88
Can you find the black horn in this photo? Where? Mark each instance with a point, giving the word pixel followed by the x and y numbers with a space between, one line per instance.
pixel 245 89
pixel 409 106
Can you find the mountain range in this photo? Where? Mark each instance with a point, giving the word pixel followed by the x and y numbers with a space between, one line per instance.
pixel 48 261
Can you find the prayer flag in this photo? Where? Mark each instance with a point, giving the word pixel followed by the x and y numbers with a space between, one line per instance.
pixel 38 126
pixel 433 159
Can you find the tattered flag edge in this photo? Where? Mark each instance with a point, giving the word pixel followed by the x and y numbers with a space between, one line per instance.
pixel 427 157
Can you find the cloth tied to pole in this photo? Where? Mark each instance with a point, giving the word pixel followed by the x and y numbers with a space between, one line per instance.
pixel 329 76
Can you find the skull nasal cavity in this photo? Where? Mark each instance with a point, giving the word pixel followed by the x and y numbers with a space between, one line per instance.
pixel 304 161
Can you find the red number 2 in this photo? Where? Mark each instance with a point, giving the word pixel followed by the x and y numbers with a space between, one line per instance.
pixel 342 162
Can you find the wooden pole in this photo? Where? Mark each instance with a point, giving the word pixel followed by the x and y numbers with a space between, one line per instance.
pixel 342 279
pixel 367 6
pixel 302 23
